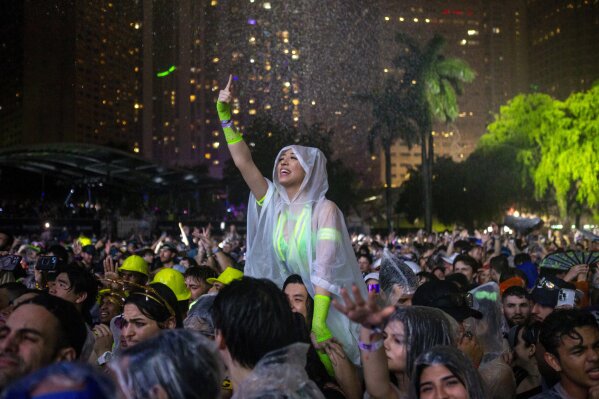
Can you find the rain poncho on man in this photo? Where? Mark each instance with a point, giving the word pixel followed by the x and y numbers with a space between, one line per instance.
pixel 305 235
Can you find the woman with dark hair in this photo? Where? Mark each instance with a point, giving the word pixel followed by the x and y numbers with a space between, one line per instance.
pixel 444 371
pixel 392 351
pixel 147 311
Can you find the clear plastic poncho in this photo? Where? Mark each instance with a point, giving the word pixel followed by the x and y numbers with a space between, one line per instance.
pixel 396 278
pixel 305 235
pixel 280 374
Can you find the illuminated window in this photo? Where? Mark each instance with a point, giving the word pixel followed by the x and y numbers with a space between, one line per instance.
pixel 214 3
pixel 415 19
pixel 401 19
pixel 387 18
pixel 472 32
pixel 266 6
pixel 496 30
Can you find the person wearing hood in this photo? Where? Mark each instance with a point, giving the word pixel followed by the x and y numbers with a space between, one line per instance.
pixel 293 228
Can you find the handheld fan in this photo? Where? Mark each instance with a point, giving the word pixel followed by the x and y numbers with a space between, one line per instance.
pixel 565 260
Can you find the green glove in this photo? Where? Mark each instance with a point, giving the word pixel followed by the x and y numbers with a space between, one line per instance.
pixel 321 330
pixel 224 114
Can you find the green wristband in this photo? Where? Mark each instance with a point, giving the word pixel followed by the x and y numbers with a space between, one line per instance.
pixel 232 136
pixel 319 321
pixel 224 111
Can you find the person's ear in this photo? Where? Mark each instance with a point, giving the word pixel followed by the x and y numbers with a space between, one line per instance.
pixel 171 323
pixel 81 297
pixel 219 340
pixel 531 351
pixel 66 354
pixel 553 361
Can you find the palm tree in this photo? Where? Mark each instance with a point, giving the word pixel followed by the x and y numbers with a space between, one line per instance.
pixel 393 112
pixel 436 82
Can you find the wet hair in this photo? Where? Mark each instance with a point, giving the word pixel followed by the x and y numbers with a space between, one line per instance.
pixel 72 331
pixel 530 335
pixel 521 258
pixel 96 385
pixel 200 273
pixel 456 362
pixel 153 304
pixel 500 264
pixel 82 281
pixel 424 328
pixel 297 279
pixel 183 363
pixel 14 290
pixel 468 260
pixel 264 312
pixel 515 290
pixel 563 323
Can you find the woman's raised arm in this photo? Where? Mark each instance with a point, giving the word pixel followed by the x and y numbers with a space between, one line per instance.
pixel 240 152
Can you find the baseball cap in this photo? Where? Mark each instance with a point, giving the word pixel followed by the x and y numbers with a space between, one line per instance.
pixel 449 259
pixel 227 276
pixel 446 296
pixel 546 292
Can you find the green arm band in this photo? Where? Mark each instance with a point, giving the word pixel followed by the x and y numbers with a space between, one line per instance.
pixel 260 202
pixel 224 111
pixel 224 114
pixel 319 321
pixel 326 361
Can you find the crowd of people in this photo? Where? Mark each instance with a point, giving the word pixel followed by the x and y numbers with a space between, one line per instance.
pixel 446 316
pixel 298 308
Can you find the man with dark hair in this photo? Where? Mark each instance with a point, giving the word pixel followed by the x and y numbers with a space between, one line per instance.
pixel 466 265
pixel 516 306
pixel 547 294
pixel 257 338
pixel 78 286
pixel 299 299
pixel 365 263
pixel 499 265
pixel 39 332
pixel 196 281
pixel 571 341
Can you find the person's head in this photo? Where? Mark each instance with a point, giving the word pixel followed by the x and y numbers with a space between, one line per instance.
pixel 147 312
pixel 571 341
pixel 111 304
pixel 466 265
pixel 523 342
pixel 499 264
pixel 300 173
pixel 521 258
pixel 488 329
pixel 43 330
pixel 446 296
pixel 301 302
pixel 134 270
pixel 484 274
pixel 228 275
pixel 61 380
pixel 9 292
pixel 199 317
pixel 196 280
pixel 516 305
pixel 289 169
pixel 263 311
pixel 76 285
pixel 397 280
pixel 476 252
pixel 147 254
pixel 174 280
pixel 365 263
pixel 6 241
pixel 460 280
pixel 545 296
pixel 445 372
pixel 87 254
pixel 412 330
pixel 176 364
pixel 167 253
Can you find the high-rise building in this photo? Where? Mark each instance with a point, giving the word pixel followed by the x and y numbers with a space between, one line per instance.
pixel 563 45
pixel 489 35
pixel 73 68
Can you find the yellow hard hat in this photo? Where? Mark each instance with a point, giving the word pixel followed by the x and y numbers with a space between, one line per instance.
pixel 83 240
pixel 227 276
pixel 175 281
pixel 135 263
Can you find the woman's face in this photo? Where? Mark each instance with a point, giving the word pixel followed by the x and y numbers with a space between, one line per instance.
pixel 137 327
pixel 395 346
pixel 436 381
pixel 289 170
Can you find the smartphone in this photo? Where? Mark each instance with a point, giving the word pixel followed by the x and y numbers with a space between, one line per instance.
pixel 566 298
pixel 9 262
pixel 46 263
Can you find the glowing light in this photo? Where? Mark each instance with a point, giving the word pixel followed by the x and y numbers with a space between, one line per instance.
pixel 215 145
pixel 167 72
pixel 252 60
pixel 295 101
pixel 215 60
pixel 287 84
pixel 463 42
pixel 47 225
pixel 266 6
pixel 207 155
pixel 415 19
pixel 251 21
pixel 313 102
pixel 137 25
pixel 472 32
pixel 252 39
pixel 387 18
pixel 427 20
pixel 385 70
pixel 401 19
pixel 214 3
pixel 136 150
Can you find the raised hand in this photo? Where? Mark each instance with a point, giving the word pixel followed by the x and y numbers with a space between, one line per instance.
pixel 367 313
pixel 110 269
pixel 225 95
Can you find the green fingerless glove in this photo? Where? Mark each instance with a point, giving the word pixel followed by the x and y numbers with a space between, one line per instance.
pixel 319 321
pixel 326 361
pixel 224 111
pixel 224 114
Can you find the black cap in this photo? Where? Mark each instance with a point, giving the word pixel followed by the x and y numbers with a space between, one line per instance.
pixel 446 296
pixel 546 292
pixel 89 249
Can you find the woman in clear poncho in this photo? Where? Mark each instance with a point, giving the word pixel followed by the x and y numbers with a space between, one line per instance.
pixel 293 229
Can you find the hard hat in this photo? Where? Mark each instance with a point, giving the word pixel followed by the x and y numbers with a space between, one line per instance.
pixel 135 263
pixel 175 281
pixel 83 240
pixel 227 276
